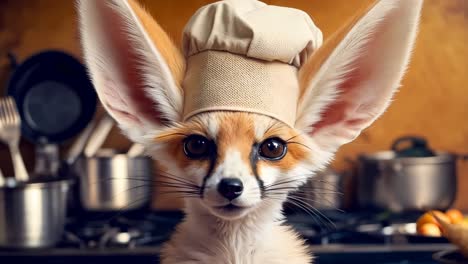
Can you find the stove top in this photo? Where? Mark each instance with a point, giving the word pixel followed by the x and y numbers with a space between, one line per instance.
pixel 336 238
pixel 131 230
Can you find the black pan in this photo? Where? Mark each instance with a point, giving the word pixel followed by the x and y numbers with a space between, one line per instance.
pixel 55 97
pixel 450 257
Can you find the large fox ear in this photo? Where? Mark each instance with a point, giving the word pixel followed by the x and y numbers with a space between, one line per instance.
pixel 350 80
pixel 135 67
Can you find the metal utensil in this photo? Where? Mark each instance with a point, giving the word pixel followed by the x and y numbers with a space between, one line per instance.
pixel 136 150
pixel 10 125
pixel 78 146
pixel 111 182
pixel 2 178
pixel 32 215
pixel 47 160
pixel 99 135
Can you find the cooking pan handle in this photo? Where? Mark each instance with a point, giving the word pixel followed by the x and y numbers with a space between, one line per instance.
pixel 415 141
pixel 13 60
pixel 418 147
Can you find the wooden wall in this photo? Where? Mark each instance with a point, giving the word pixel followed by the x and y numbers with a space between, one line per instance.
pixel 433 101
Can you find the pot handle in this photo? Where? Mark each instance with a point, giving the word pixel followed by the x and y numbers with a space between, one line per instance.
pixel 418 147
pixel 13 60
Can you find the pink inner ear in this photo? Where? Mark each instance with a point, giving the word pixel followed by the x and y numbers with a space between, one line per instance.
pixel 354 95
pixel 114 102
pixel 336 112
pixel 130 101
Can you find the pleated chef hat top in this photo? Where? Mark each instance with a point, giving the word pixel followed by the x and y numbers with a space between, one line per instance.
pixel 244 55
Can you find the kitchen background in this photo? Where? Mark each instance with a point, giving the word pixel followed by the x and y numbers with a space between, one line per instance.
pixel 432 103
pixel 104 218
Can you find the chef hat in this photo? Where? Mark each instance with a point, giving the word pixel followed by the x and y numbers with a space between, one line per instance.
pixel 244 55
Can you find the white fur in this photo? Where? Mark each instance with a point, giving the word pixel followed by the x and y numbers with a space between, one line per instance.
pixel 257 238
pixel 389 55
pixel 232 167
pixel 261 127
pixel 101 56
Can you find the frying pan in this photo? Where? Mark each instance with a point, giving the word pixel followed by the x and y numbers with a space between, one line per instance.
pixel 56 100
pixel 55 97
pixel 450 257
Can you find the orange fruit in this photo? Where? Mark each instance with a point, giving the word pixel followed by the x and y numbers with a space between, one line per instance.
pixel 441 216
pixel 430 229
pixel 429 218
pixel 455 216
pixel 424 219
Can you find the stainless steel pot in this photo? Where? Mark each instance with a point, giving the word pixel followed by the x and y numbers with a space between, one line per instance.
pixel 32 215
pixel 324 190
pixel 112 182
pixel 394 182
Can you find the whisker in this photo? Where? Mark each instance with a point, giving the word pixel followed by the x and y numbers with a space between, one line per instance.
pixel 324 181
pixel 125 208
pixel 293 137
pixel 317 191
pixel 186 196
pixel 327 202
pixel 311 190
pixel 314 209
pixel 292 179
pixel 298 143
pixel 304 193
pixel 283 195
pixel 314 216
pixel 176 185
pixel 122 178
pixel 175 178
pixel 279 183
pixel 270 127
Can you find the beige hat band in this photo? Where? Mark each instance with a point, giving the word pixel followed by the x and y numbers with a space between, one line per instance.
pixel 222 81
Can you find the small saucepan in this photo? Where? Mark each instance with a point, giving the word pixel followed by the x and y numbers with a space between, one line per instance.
pixel 112 181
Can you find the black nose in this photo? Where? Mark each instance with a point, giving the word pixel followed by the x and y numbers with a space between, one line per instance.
pixel 230 188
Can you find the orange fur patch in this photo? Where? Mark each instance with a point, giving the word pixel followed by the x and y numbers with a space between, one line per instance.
pixel 237 132
pixel 171 54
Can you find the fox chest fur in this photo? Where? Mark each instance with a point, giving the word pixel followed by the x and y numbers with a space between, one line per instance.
pixel 278 246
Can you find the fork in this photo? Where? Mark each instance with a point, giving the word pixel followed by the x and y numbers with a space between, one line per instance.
pixel 10 124
pixel 2 179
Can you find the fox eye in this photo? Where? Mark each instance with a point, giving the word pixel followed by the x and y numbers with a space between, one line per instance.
pixel 197 147
pixel 273 149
